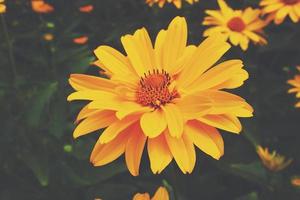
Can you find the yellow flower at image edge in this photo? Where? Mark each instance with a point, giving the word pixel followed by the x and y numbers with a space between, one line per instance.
pixel 169 97
pixel 2 7
pixel 273 161
pixel 295 181
pixel 296 87
pixel 278 10
pixel 240 26
pixel 160 194
pixel 161 3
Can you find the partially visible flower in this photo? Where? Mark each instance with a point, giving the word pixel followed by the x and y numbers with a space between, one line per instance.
pixel 48 36
pixel 86 9
pixel 240 26
pixel 81 40
pixel 273 161
pixel 296 86
pixel 295 181
pixel 40 6
pixel 169 97
pixel 160 194
pixel 161 3
pixel 278 10
pixel 2 7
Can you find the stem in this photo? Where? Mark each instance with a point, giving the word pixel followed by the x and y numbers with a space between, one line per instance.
pixel 10 50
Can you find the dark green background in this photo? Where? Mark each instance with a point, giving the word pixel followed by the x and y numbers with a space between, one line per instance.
pixel 39 158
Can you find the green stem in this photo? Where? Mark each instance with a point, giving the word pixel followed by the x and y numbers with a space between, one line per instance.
pixel 10 50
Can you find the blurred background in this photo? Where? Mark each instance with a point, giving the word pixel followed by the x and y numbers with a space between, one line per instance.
pixel 39 159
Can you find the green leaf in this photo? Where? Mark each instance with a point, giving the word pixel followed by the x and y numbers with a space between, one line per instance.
pixel 38 103
pixel 250 196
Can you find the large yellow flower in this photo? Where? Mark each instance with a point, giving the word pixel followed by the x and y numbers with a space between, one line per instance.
pixel 161 3
pixel 160 194
pixel 273 161
pixel 169 96
pixel 240 26
pixel 278 10
pixel 296 84
pixel 2 7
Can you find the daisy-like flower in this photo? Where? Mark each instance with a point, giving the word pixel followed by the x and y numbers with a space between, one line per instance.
pixel 273 161
pixel 160 194
pixel 177 3
pixel 278 10
pixel 2 7
pixel 40 6
pixel 169 96
pixel 295 181
pixel 240 26
pixel 296 86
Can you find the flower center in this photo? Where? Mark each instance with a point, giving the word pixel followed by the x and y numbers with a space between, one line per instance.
pixel 290 2
pixel 153 89
pixel 236 24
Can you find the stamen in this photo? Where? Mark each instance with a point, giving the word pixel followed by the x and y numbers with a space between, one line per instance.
pixel 236 24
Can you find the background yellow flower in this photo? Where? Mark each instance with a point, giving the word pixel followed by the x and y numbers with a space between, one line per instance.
pixel 239 26
pixel 160 194
pixel 278 10
pixel 2 7
pixel 295 82
pixel 161 3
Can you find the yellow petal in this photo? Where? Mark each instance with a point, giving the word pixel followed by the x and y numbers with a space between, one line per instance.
pixel 174 119
pixel 190 151
pixel 159 153
pixel 159 43
pixel 134 150
pixel 85 112
pixel 206 138
pixel 114 129
pixel 226 122
pixel 153 123
pixel 103 154
pixel 95 122
pixel 161 194
pixel 128 108
pixel 174 43
pixel 86 82
pixel 140 51
pixel 179 152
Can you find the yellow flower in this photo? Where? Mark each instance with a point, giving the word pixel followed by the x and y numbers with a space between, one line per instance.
pixel 296 83
pixel 240 26
pixel 48 36
pixel 160 194
pixel 169 96
pixel 273 161
pixel 2 7
pixel 278 10
pixel 40 6
pixel 161 3
pixel 295 181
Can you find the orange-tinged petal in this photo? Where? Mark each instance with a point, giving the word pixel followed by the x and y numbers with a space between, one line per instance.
pixel 129 108
pixel 159 153
pixel 153 123
pixel 134 149
pixel 140 196
pixel 226 122
pixel 103 154
pixel 85 112
pixel 95 122
pixel 114 129
pixel 206 138
pixel 174 119
pixel 161 194
pixel 179 151
pixel 190 151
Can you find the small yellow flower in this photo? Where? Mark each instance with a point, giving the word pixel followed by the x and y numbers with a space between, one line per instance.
pixel 278 10
pixel 296 87
pixel 40 6
pixel 240 26
pixel 273 161
pixel 169 97
pixel 295 181
pixel 161 3
pixel 160 194
pixel 2 7
pixel 48 36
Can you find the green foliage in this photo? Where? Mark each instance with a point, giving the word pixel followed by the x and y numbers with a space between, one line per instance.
pixel 41 160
